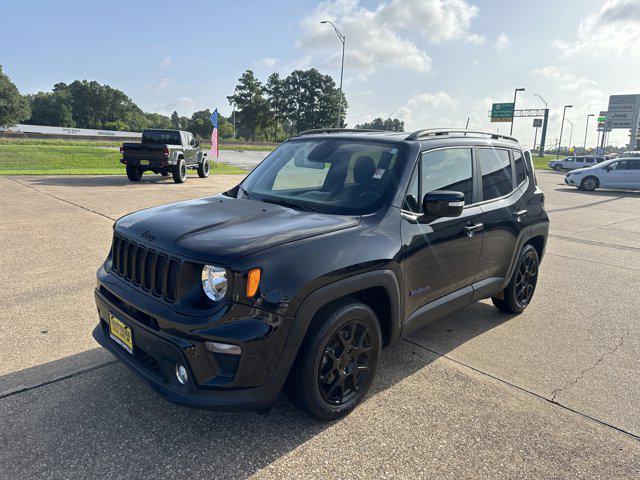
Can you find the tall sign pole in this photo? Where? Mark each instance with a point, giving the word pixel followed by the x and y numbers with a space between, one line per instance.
pixel 543 138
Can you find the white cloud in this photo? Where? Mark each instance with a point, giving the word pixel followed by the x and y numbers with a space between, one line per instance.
pixel 267 62
pixel 380 37
pixel 502 42
pixel 476 39
pixel 612 31
pixel 183 105
pixel 564 79
pixel 166 61
pixel 435 100
pixel 158 86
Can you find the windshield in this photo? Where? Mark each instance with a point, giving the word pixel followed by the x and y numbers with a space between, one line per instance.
pixel 338 176
pixel 161 136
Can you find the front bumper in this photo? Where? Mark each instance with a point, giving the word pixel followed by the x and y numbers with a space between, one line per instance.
pixel 253 382
pixel 570 180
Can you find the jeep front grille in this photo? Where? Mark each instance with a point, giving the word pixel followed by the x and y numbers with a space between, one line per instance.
pixel 146 267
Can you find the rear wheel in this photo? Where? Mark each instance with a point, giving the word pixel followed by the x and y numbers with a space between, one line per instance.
pixel 134 173
pixel 337 361
pixel 203 168
pixel 589 183
pixel 180 171
pixel 520 290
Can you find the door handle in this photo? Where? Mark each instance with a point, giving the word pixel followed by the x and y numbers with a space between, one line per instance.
pixel 470 230
pixel 519 214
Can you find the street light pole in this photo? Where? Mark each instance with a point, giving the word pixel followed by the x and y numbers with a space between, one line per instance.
pixel 564 111
pixel 342 39
pixel 586 129
pixel 571 134
pixel 515 95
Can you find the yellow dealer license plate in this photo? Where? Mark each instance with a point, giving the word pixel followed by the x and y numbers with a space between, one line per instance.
pixel 121 333
pixel 144 162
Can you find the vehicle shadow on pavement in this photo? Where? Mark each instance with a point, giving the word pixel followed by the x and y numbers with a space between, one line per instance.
pixel 105 422
pixel 100 181
pixel 601 192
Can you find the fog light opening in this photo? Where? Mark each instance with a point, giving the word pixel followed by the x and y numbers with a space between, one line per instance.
pixel 181 374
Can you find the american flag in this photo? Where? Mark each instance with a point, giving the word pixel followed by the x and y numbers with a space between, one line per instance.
pixel 214 134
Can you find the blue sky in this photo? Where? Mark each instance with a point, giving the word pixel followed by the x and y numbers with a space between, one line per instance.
pixel 434 62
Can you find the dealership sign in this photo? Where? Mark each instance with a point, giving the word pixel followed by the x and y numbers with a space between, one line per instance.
pixel 623 111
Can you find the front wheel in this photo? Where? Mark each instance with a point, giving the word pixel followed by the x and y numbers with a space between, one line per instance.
pixel 337 361
pixel 134 173
pixel 180 171
pixel 557 168
pixel 203 168
pixel 589 183
pixel 519 291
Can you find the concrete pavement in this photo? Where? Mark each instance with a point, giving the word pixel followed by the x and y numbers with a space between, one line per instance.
pixel 550 393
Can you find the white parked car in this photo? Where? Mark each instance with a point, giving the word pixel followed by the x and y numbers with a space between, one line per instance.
pixel 617 173
pixel 571 163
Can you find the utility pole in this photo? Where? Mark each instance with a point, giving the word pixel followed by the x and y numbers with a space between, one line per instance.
pixel 342 39
pixel 545 122
pixel 586 129
pixel 466 127
pixel 535 138
pixel 564 111
pixel 515 95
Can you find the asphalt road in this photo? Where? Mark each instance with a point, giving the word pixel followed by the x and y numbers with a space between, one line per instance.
pixel 552 393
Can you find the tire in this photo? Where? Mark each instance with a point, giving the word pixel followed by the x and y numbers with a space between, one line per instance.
pixel 134 173
pixel 589 183
pixel 557 168
pixel 179 171
pixel 519 292
pixel 325 380
pixel 203 168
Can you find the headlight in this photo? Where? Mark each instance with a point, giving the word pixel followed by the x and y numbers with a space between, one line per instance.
pixel 214 282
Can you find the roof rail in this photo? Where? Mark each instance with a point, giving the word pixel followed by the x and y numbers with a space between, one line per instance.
pixel 436 132
pixel 337 130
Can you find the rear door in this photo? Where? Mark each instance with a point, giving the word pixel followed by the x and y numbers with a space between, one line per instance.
pixel 504 212
pixel 440 257
pixel 633 179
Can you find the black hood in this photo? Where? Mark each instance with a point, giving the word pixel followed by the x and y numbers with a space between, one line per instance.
pixel 221 230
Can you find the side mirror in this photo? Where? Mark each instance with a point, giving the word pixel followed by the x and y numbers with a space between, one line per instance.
pixel 442 203
pixel 197 143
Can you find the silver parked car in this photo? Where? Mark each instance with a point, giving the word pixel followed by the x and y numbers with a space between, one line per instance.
pixel 617 173
pixel 571 163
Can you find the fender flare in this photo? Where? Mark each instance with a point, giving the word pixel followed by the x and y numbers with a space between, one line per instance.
pixel 385 278
pixel 540 229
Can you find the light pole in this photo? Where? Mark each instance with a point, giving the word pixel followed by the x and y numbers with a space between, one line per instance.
pixel 571 134
pixel 342 39
pixel 586 129
pixel 564 111
pixel 515 95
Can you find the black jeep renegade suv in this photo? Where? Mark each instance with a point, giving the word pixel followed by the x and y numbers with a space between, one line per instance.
pixel 337 244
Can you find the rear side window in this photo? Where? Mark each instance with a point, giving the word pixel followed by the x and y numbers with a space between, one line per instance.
pixel 448 169
pixel 495 167
pixel 634 165
pixel 518 162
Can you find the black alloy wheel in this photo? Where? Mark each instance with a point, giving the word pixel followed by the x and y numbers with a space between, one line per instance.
pixel 344 366
pixel 518 293
pixel 526 278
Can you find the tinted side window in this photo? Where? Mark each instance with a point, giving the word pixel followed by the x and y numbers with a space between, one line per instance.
pixel 495 168
pixel 634 165
pixel 518 161
pixel 448 169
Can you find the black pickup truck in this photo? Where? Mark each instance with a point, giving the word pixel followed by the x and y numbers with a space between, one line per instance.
pixel 165 152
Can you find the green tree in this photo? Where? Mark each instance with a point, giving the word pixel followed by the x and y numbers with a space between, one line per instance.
pixel 175 120
pixel 52 108
pixel 313 100
pixel 393 125
pixel 252 109
pixel 14 108
pixel 155 120
pixel 276 95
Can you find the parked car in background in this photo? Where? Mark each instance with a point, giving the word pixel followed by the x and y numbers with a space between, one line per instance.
pixel 571 163
pixel 618 173
pixel 630 154
pixel 167 152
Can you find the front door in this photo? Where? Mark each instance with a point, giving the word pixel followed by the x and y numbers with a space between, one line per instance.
pixel 616 175
pixel 440 257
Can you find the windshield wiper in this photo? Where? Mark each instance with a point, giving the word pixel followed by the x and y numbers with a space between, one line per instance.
pixel 289 204
pixel 245 193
